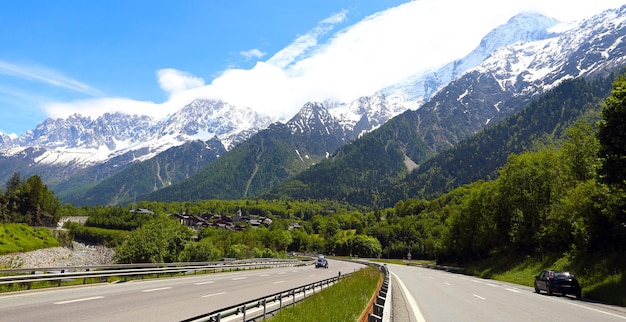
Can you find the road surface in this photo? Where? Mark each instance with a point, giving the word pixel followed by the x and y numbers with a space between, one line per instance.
pixel 423 294
pixel 164 299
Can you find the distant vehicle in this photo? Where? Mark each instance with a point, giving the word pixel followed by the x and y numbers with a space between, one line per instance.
pixel 321 262
pixel 557 282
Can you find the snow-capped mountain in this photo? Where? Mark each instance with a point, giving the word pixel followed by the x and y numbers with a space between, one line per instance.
pixel 514 75
pixel 80 140
pixel 415 90
pixel 365 114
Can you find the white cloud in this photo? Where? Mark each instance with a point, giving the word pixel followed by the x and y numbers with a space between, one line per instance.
pixel 252 54
pixel 174 81
pixel 373 53
pixel 304 42
pixel 46 75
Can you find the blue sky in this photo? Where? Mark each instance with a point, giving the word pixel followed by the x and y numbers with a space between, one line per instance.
pixel 152 57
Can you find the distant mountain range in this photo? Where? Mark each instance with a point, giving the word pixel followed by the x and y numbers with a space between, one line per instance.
pixel 211 149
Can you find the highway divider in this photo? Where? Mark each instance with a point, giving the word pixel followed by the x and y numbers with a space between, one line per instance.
pixel 28 276
pixel 262 307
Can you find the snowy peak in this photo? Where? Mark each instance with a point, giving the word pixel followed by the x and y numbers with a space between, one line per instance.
pixel 524 27
pixel 514 75
pixel 313 117
pixel 83 140
pixel 365 114
pixel 84 133
pixel 205 119
pixel 596 45
pixel 415 90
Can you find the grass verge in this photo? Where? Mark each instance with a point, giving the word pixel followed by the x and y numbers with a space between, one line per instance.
pixel 16 238
pixel 344 301
pixel 601 276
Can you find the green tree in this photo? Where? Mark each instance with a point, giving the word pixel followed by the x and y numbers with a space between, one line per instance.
pixel 612 136
pixel 161 240
pixel 365 246
pixel 580 151
pixel 530 184
pixel 202 251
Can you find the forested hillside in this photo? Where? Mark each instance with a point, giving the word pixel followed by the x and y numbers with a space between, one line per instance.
pixel 265 160
pixel 541 123
pixel 171 166
pixel 375 170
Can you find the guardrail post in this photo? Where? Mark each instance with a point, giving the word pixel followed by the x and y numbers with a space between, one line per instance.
pixel 264 309
pixel 243 309
pixel 378 309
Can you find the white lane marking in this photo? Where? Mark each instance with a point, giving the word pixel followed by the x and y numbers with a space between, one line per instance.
pixel 512 290
pixel 280 273
pixel 447 283
pixel 214 294
pixel 238 278
pixel 596 310
pixel 278 282
pixel 480 297
pixel 264 275
pixel 312 275
pixel 411 300
pixel 494 285
pixel 156 289
pixel 80 300
pixel 202 283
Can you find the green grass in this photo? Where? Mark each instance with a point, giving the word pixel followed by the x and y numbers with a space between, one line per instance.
pixel 16 238
pixel 344 301
pixel 601 276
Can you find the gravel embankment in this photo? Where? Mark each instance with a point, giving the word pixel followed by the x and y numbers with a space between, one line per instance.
pixel 78 255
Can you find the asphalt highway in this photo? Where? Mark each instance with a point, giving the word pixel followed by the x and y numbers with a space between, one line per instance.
pixel 424 294
pixel 164 299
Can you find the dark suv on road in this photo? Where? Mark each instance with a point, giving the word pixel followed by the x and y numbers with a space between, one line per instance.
pixel 321 262
pixel 557 282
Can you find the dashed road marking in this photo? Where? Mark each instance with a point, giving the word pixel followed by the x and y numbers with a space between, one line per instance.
pixel 156 289
pixel 80 300
pixel 214 294
pixel 202 283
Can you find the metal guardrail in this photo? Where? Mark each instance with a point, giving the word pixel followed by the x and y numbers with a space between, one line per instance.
pixel 380 309
pixel 263 306
pixel 30 275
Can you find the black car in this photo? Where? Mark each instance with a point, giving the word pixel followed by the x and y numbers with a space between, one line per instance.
pixel 321 262
pixel 557 282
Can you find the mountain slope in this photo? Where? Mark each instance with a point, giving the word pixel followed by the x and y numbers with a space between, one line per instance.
pixel 543 121
pixel 367 113
pixel 265 160
pixel 503 84
pixel 171 166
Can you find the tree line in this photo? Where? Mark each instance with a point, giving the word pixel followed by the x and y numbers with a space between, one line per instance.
pixel 28 201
